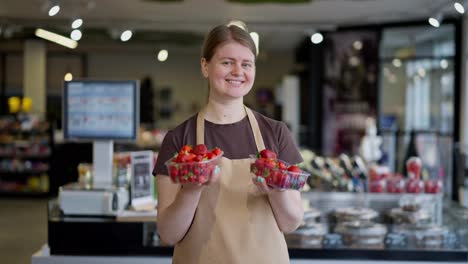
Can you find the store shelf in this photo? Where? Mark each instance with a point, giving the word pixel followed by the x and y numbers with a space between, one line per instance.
pixel 25 156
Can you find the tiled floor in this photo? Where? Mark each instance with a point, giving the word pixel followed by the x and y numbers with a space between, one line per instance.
pixel 23 229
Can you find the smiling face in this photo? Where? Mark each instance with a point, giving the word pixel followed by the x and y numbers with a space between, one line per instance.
pixel 230 72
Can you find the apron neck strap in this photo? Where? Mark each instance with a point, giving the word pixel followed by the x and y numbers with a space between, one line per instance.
pixel 200 135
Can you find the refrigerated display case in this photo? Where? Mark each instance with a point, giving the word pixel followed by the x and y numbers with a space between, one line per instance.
pixel 371 233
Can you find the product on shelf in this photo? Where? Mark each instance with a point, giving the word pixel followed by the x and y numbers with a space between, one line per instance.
pixel 413 168
pixel 427 236
pixel 359 234
pixel 193 164
pixel 350 214
pixel 395 184
pixel 277 173
pixel 406 215
pixel 414 185
pixel 25 149
pixel 310 235
pixel 433 186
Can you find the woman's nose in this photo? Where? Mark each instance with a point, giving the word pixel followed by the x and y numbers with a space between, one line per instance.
pixel 236 69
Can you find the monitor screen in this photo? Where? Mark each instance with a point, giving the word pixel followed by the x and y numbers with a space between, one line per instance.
pixel 101 110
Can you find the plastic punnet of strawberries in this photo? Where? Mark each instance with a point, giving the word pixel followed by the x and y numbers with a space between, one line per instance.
pixel 277 173
pixel 193 164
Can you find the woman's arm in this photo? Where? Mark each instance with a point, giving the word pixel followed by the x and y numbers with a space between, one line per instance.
pixel 176 208
pixel 287 208
pixel 177 205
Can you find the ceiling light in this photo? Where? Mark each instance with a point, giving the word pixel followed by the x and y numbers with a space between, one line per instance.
pixel 316 38
pixel 354 61
pixel 421 72
pixel 162 55
pixel 459 7
pixel 126 35
pixel 77 23
pixel 444 64
pixel 54 10
pixel 50 36
pixel 396 63
pixel 435 20
pixel 256 39
pixel 76 34
pixel 357 45
pixel 68 77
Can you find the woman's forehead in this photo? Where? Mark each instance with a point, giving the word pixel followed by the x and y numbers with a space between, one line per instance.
pixel 235 50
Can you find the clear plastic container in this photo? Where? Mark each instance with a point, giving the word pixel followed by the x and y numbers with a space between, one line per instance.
pixel 377 186
pixel 278 178
pixel 414 186
pixel 192 172
pixel 395 185
pixel 433 186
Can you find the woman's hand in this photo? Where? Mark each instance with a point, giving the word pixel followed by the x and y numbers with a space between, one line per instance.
pixel 263 186
pixel 286 205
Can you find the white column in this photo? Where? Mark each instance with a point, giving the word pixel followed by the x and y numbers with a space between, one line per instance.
pixel 291 104
pixel 34 74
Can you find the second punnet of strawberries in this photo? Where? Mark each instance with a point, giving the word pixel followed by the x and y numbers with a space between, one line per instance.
pixel 277 173
pixel 193 164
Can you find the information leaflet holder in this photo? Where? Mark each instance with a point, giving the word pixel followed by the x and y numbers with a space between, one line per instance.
pixel 142 187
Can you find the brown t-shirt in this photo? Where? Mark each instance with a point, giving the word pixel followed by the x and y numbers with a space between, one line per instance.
pixel 236 140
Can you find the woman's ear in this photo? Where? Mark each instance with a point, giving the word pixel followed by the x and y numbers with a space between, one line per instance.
pixel 204 67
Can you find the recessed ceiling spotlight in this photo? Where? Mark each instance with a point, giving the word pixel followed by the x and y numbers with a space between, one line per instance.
pixel 396 62
pixel 54 10
pixel 357 45
pixel 459 7
pixel 162 55
pixel 77 23
pixel 444 64
pixel 76 34
pixel 316 38
pixel 126 35
pixel 435 20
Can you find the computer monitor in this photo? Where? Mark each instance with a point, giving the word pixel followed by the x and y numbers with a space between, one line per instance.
pixel 102 112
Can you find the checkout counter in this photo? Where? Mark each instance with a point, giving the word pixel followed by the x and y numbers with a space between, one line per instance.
pixel 380 237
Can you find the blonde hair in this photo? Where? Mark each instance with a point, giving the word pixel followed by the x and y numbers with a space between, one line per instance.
pixel 233 31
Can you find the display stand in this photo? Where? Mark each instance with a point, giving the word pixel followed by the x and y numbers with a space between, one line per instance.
pixel 103 151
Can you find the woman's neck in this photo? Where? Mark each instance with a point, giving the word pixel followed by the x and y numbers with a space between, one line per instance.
pixel 225 113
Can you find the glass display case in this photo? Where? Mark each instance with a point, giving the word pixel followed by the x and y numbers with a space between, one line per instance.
pixel 338 226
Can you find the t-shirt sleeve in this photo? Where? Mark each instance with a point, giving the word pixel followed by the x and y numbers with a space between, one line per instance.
pixel 288 150
pixel 168 148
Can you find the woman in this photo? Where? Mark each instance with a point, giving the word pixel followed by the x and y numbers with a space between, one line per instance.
pixel 234 218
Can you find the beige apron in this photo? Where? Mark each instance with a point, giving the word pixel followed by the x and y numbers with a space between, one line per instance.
pixel 234 222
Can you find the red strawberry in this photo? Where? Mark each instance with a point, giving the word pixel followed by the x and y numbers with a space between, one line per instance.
pixel 190 157
pixel 294 168
pixel 267 154
pixel 282 166
pixel 209 156
pixel 198 158
pixel 186 149
pixel 200 149
pixel 217 151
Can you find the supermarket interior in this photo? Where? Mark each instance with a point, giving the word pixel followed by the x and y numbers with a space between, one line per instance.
pixel 373 93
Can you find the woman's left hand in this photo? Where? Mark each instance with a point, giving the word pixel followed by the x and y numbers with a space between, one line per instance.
pixel 262 185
